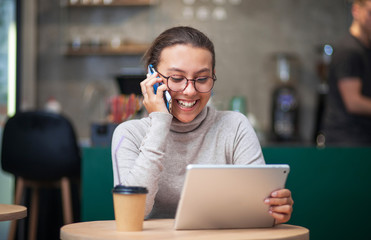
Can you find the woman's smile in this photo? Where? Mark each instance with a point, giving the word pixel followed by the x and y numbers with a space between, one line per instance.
pixel 186 104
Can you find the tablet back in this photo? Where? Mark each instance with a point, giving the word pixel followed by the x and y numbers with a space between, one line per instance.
pixel 228 196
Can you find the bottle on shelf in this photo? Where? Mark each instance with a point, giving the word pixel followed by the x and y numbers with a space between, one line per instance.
pixel 323 64
pixel 285 102
pixel 238 104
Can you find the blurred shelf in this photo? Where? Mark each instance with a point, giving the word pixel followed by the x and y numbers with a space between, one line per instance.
pixel 128 49
pixel 74 46
pixel 113 3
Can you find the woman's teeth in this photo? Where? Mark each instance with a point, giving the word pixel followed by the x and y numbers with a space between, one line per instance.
pixel 186 104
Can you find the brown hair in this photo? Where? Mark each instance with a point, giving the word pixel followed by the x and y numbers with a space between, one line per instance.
pixel 178 35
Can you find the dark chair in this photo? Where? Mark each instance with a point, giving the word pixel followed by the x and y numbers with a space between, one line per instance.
pixel 41 150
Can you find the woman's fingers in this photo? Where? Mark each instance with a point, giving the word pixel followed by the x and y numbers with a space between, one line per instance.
pixel 142 85
pixel 151 101
pixel 281 213
pixel 281 193
pixel 280 217
pixel 280 202
pixel 284 209
pixel 147 84
pixel 280 197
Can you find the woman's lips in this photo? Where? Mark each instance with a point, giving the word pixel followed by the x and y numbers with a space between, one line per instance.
pixel 186 104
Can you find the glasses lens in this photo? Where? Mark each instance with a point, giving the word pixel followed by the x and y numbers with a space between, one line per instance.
pixel 179 83
pixel 204 84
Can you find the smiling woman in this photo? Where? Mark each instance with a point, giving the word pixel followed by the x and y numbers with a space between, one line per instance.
pixel 195 62
pixel 154 152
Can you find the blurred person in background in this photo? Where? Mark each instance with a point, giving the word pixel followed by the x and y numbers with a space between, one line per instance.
pixel 347 119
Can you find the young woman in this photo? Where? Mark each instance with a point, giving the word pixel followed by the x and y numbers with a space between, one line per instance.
pixel 155 151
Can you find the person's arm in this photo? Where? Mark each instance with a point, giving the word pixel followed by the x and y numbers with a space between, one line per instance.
pixel 246 146
pixel 137 153
pixel 355 103
pixel 138 147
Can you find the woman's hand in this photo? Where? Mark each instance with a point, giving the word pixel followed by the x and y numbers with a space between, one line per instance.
pixel 151 101
pixel 280 202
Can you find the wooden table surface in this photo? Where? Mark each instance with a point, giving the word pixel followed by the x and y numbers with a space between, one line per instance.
pixel 163 229
pixel 11 212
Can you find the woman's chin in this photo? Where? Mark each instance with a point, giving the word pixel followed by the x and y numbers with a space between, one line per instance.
pixel 186 115
pixel 184 119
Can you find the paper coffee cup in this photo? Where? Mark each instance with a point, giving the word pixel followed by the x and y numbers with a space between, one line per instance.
pixel 129 205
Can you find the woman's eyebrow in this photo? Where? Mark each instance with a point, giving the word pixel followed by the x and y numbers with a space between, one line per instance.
pixel 182 71
pixel 174 69
pixel 203 70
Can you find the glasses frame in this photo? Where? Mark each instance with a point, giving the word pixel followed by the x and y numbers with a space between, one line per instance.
pixel 188 80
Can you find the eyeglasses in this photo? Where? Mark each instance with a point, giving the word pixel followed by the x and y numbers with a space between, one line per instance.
pixel 178 83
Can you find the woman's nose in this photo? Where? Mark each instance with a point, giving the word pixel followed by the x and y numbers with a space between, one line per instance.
pixel 190 89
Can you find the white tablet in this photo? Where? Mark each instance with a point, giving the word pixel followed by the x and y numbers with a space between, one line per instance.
pixel 228 196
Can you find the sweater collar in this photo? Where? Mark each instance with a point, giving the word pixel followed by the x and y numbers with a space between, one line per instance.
pixel 177 126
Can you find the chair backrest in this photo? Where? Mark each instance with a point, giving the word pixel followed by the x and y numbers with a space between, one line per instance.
pixel 40 145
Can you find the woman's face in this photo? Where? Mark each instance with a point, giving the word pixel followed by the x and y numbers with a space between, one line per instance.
pixel 190 62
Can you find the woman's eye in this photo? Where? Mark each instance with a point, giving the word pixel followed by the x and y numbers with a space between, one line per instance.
pixel 177 78
pixel 202 79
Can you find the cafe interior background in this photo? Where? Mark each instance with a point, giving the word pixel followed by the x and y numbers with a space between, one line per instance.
pixel 73 51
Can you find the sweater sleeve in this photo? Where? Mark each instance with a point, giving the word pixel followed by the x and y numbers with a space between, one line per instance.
pixel 138 148
pixel 246 149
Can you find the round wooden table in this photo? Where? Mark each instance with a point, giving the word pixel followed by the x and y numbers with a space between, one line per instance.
pixel 12 212
pixel 164 229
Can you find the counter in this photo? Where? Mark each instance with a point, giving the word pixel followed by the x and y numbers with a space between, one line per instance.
pixel 331 188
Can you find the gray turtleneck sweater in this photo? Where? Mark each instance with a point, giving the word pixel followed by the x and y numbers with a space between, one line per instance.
pixel 155 151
